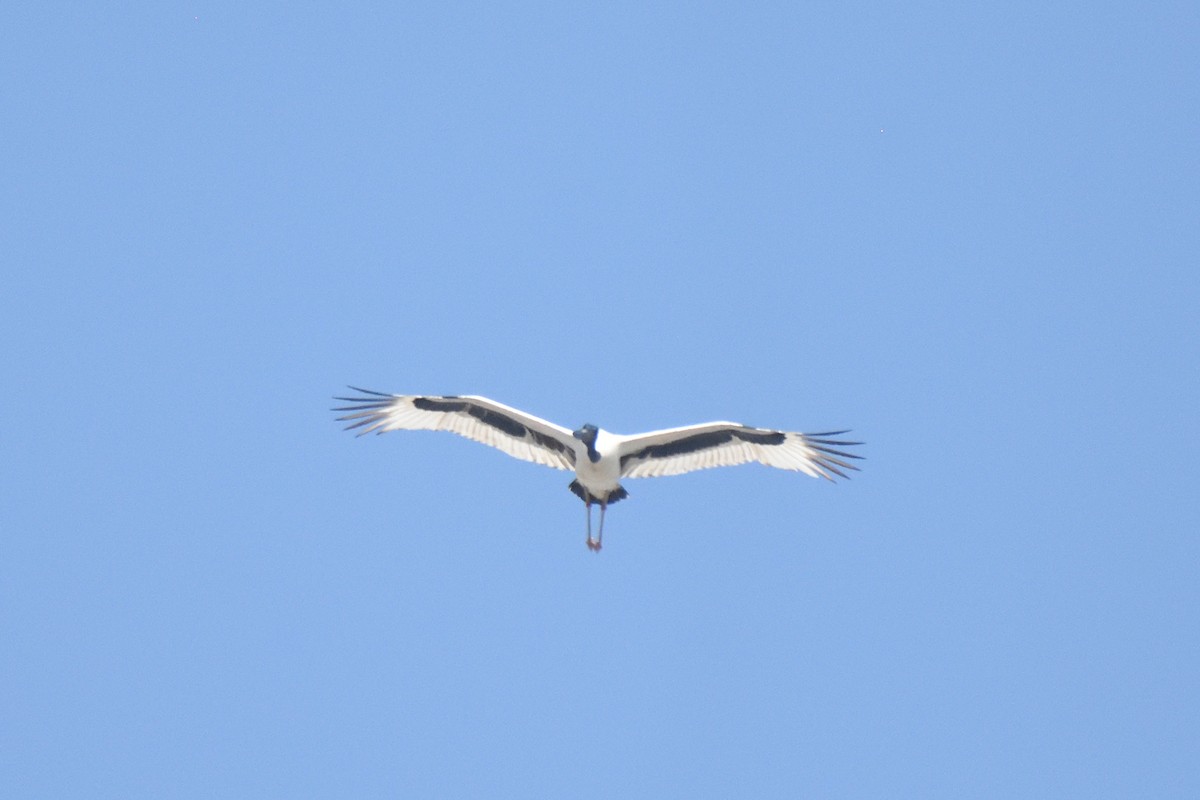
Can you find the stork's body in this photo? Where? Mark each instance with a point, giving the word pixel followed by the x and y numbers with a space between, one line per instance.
pixel 597 474
pixel 599 459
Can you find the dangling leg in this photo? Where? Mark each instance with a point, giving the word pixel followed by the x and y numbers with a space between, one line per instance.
pixel 591 545
pixel 600 536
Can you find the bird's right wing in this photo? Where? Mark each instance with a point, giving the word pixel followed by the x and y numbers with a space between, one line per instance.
pixel 723 444
pixel 521 435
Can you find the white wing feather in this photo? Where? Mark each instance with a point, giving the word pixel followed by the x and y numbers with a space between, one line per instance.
pixel 724 444
pixel 514 432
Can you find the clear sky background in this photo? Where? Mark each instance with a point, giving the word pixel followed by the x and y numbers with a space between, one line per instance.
pixel 969 234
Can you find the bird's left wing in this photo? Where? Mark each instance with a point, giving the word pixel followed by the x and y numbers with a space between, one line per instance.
pixel 521 435
pixel 723 444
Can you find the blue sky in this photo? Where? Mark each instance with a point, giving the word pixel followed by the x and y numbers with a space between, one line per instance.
pixel 969 234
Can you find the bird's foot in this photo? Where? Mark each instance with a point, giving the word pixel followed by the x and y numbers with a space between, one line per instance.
pixel 593 545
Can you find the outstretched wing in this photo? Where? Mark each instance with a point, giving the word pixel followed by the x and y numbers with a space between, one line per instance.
pixel 724 444
pixel 521 435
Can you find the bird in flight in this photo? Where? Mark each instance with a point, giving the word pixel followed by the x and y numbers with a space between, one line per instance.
pixel 599 459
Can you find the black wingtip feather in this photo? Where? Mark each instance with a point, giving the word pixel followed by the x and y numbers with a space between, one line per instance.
pixel 828 458
pixel 832 452
pixel 370 391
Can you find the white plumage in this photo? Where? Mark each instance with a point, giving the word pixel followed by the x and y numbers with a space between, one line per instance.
pixel 599 458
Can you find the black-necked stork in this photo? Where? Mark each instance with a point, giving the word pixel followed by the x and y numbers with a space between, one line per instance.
pixel 599 458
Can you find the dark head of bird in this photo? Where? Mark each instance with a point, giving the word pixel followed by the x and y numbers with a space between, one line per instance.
pixel 587 435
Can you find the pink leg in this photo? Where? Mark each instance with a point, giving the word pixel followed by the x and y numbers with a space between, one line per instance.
pixel 600 535
pixel 590 543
